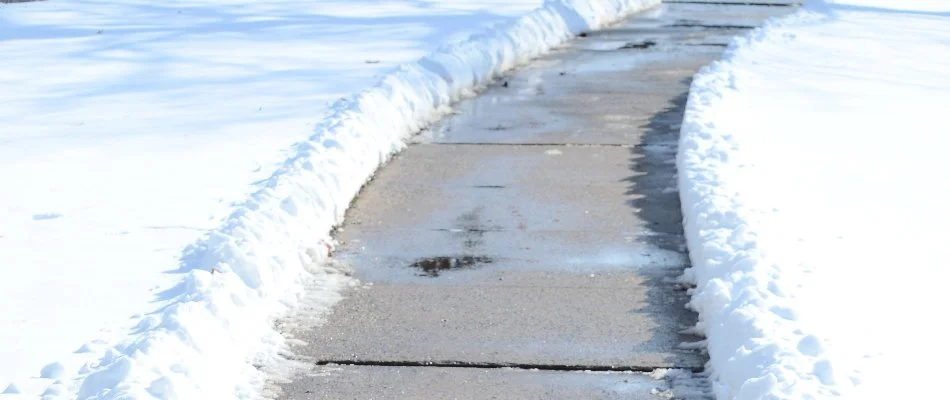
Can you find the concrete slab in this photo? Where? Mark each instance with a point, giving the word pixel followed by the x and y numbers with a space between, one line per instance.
pixel 591 103
pixel 506 205
pixel 624 320
pixel 405 383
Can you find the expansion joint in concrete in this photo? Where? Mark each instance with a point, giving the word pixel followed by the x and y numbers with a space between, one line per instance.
pixel 500 365
pixel 533 144
pixel 732 3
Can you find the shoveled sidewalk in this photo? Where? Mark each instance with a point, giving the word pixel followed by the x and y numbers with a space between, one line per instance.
pixel 527 246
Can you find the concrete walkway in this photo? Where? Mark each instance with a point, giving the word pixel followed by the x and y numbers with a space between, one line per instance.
pixel 527 246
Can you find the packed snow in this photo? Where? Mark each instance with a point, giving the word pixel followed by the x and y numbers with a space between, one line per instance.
pixel 815 181
pixel 172 170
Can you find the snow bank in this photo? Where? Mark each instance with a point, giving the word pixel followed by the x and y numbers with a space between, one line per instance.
pixel 814 181
pixel 129 130
pixel 214 329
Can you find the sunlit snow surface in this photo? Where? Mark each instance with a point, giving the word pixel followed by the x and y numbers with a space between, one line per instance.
pixel 131 130
pixel 815 183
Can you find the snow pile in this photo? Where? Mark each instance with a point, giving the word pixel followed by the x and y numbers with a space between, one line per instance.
pixel 129 134
pixel 815 184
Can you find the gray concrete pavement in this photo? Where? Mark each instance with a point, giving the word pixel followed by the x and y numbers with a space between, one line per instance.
pixel 537 227
pixel 516 318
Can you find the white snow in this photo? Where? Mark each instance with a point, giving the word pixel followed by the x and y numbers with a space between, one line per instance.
pixel 156 214
pixel 815 181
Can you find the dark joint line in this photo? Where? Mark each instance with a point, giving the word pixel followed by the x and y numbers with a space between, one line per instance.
pixel 499 365
pixel 691 25
pixel 468 230
pixel 731 3
pixel 533 144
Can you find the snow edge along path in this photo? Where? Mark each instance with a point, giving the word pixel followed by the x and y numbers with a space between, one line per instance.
pixel 738 305
pixel 218 321
pixel 814 182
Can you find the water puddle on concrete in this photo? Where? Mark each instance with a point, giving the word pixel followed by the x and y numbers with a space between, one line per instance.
pixel 638 45
pixel 433 266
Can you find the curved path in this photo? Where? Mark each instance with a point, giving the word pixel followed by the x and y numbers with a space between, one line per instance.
pixel 527 245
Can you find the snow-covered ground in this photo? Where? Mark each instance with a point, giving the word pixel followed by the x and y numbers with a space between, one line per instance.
pixel 815 180
pixel 156 212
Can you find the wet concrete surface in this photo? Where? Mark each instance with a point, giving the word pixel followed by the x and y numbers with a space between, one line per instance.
pixel 514 208
pixel 538 226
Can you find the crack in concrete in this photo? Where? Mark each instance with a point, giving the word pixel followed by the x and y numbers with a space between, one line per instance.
pixel 489 186
pixel 469 230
